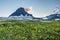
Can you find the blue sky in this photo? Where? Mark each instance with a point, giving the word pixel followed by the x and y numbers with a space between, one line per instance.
pixel 40 8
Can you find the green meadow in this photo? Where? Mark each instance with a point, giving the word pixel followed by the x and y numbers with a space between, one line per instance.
pixel 29 30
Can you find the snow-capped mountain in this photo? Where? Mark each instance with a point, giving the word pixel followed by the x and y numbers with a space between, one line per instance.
pixel 54 16
pixel 20 11
pixel 20 14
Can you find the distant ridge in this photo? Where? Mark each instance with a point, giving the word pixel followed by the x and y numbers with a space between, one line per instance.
pixel 54 16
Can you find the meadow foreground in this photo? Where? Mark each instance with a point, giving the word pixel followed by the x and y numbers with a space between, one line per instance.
pixel 29 30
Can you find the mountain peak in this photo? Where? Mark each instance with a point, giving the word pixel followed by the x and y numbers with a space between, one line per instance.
pixel 20 11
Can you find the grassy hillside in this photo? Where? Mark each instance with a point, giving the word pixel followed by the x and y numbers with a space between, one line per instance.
pixel 29 30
